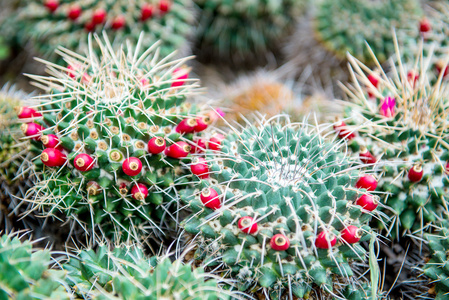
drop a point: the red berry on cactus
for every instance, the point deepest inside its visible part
(201, 123)
(325, 240)
(441, 67)
(139, 192)
(424, 25)
(367, 182)
(156, 145)
(74, 12)
(51, 5)
(415, 173)
(343, 131)
(215, 141)
(178, 150)
(368, 202)
(412, 77)
(51, 141)
(93, 188)
(279, 242)
(374, 79)
(200, 168)
(351, 234)
(164, 6)
(186, 126)
(132, 166)
(84, 162)
(366, 156)
(146, 12)
(179, 76)
(32, 130)
(118, 23)
(199, 146)
(26, 112)
(90, 26)
(247, 225)
(52, 157)
(209, 197)
(99, 16)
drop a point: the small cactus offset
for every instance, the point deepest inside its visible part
(125, 273)
(347, 25)
(67, 23)
(25, 273)
(398, 124)
(243, 31)
(283, 210)
(114, 135)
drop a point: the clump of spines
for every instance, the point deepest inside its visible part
(283, 210)
(115, 135)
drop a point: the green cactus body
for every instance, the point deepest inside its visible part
(67, 23)
(125, 273)
(399, 125)
(25, 274)
(344, 26)
(99, 117)
(284, 197)
(243, 31)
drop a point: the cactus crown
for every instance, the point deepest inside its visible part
(125, 273)
(279, 198)
(402, 128)
(115, 129)
(25, 273)
(53, 23)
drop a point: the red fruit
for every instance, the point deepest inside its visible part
(164, 6)
(53, 157)
(90, 26)
(156, 145)
(51, 5)
(132, 166)
(50, 141)
(199, 167)
(83, 162)
(123, 189)
(343, 131)
(366, 156)
(209, 197)
(32, 130)
(248, 225)
(447, 167)
(215, 141)
(146, 12)
(201, 123)
(186, 126)
(118, 23)
(279, 242)
(325, 240)
(199, 146)
(99, 16)
(412, 77)
(416, 173)
(366, 182)
(424, 25)
(93, 188)
(351, 234)
(374, 79)
(139, 192)
(74, 12)
(367, 202)
(26, 112)
(179, 76)
(440, 65)
(178, 150)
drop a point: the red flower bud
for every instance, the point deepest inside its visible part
(279, 242)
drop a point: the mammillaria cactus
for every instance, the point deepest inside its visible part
(398, 124)
(112, 140)
(243, 31)
(284, 210)
(125, 273)
(54, 23)
(25, 273)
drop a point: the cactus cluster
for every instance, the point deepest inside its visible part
(115, 134)
(398, 124)
(347, 25)
(54, 23)
(242, 31)
(26, 274)
(283, 210)
(126, 273)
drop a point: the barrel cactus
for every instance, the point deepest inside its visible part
(53, 23)
(25, 273)
(398, 124)
(113, 140)
(243, 31)
(125, 273)
(282, 210)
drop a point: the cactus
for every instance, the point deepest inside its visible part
(53, 23)
(25, 273)
(284, 210)
(398, 124)
(343, 26)
(116, 132)
(126, 273)
(243, 31)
